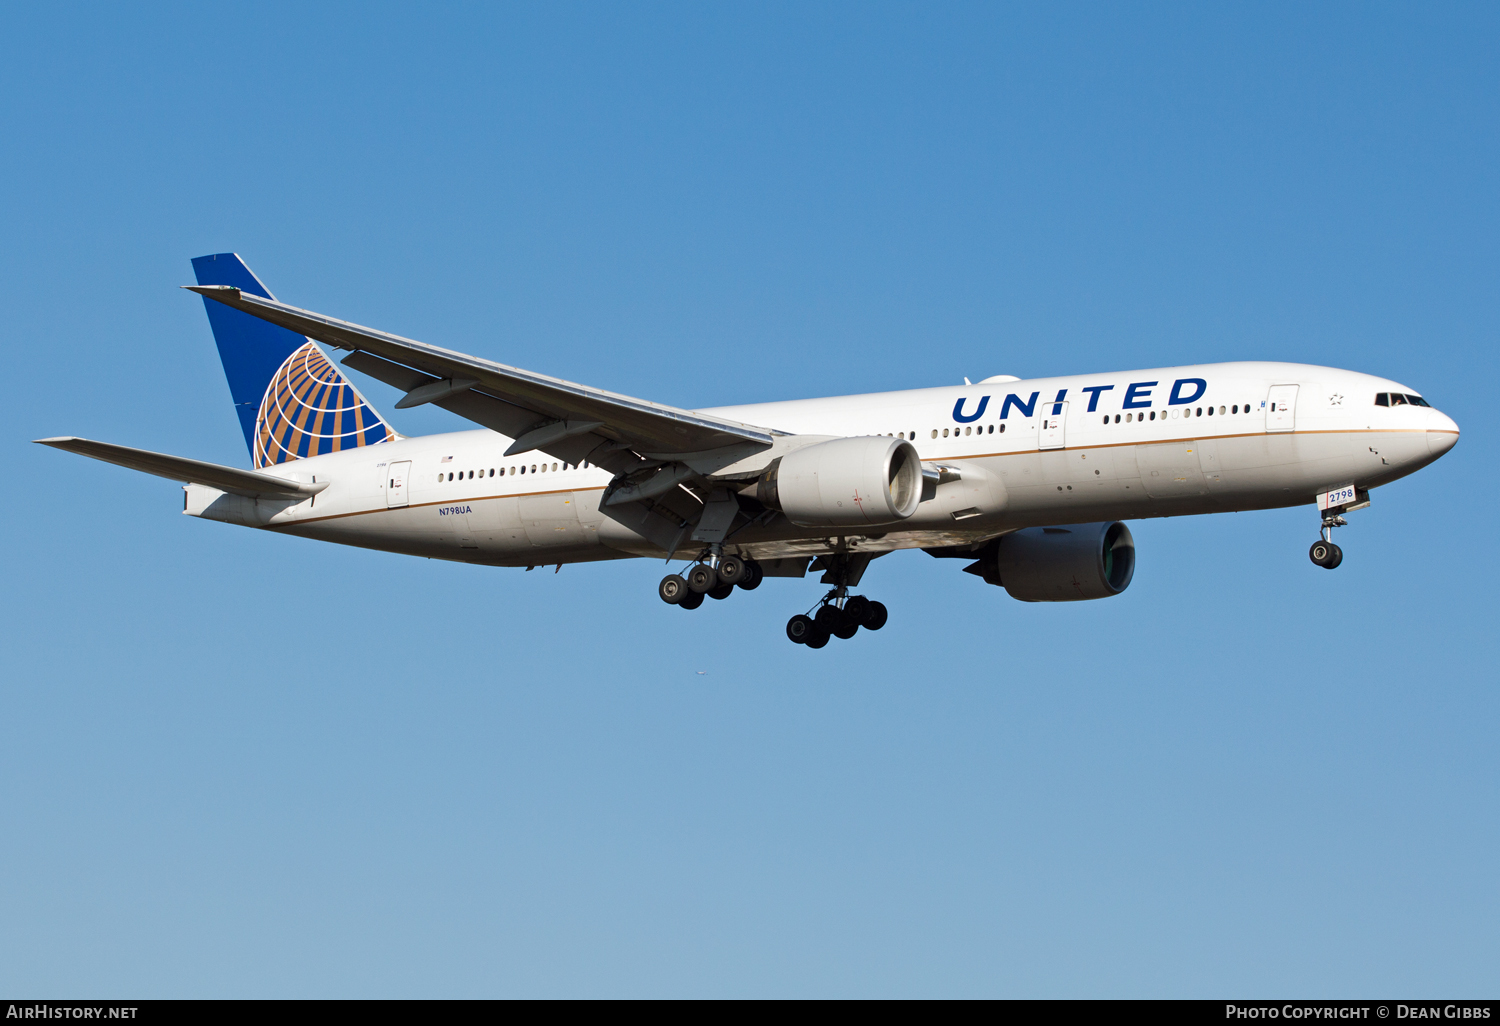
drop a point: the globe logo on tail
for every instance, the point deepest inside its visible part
(310, 409)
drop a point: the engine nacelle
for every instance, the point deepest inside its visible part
(1063, 564)
(846, 482)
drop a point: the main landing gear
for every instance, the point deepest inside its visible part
(837, 617)
(717, 581)
(1324, 552)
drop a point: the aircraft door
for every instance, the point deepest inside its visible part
(1054, 425)
(396, 477)
(1281, 408)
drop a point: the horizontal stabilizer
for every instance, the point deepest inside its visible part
(175, 468)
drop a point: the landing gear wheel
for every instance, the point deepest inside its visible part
(721, 591)
(857, 609)
(753, 575)
(876, 617)
(818, 638)
(830, 618)
(847, 631)
(672, 589)
(692, 600)
(701, 578)
(1326, 554)
(799, 628)
(731, 570)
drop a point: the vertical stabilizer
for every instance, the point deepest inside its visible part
(292, 402)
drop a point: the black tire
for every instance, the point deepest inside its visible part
(731, 570)
(1336, 558)
(799, 628)
(847, 630)
(830, 617)
(721, 591)
(701, 578)
(818, 638)
(856, 609)
(876, 618)
(1321, 552)
(672, 589)
(753, 575)
(692, 600)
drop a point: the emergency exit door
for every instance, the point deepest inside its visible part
(1054, 424)
(396, 475)
(1281, 408)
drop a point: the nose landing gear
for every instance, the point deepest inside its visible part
(1324, 552)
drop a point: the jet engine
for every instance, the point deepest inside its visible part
(846, 482)
(1061, 564)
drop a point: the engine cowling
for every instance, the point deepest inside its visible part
(845, 482)
(1063, 564)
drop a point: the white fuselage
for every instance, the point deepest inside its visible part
(1165, 442)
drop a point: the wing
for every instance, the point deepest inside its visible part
(176, 468)
(573, 422)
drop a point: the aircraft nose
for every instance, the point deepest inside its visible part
(1442, 433)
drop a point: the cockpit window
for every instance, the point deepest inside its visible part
(1400, 399)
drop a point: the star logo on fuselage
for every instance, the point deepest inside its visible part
(1335, 400)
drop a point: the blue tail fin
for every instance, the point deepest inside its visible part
(292, 402)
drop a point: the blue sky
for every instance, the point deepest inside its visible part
(243, 765)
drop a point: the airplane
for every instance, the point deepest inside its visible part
(1028, 480)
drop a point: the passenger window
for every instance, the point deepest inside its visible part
(440, 479)
(1117, 418)
(450, 475)
(554, 466)
(1106, 418)
(1153, 414)
(1002, 429)
(992, 429)
(1200, 412)
(934, 432)
(1210, 411)
(1221, 411)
